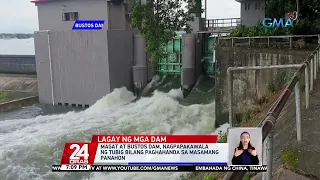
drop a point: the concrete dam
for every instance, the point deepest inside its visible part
(158, 113)
(109, 72)
(40, 131)
(102, 82)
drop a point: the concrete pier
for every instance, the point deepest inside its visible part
(188, 71)
(140, 68)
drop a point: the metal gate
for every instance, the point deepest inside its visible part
(172, 63)
(208, 55)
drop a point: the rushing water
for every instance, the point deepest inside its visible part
(30, 146)
(32, 138)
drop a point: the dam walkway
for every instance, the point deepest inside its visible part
(307, 152)
(291, 128)
(292, 158)
(296, 145)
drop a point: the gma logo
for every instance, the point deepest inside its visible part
(269, 23)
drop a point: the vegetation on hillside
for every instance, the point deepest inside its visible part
(158, 21)
(15, 35)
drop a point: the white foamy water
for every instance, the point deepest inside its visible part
(28, 147)
(17, 46)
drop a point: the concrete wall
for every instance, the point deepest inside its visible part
(18, 64)
(50, 14)
(86, 65)
(251, 87)
(250, 16)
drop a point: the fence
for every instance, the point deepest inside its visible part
(290, 41)
(310, 68)
(228, 23)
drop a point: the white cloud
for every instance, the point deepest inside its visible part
(21, 15)
(18, 16)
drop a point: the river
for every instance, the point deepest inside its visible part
(17, 46)
(32, 138)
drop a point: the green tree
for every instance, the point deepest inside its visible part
(158, 20)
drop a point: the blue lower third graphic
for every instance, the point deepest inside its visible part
(88, 25)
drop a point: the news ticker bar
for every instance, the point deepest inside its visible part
(152, 168)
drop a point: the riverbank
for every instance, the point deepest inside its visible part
(19, 83)
(16, 35)
(10, 100)
(17, 90)
(18, 103)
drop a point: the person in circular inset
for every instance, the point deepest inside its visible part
(245, 153)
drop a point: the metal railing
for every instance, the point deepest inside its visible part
(310, 69)
(267, 41)
(212, 24)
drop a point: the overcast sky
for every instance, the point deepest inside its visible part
(20, 16)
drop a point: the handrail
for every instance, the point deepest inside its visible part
(251, 40)
(224, 19)
(269, 121)
(275, 37)
(222, 23)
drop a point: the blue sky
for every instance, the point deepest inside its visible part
(20, 16)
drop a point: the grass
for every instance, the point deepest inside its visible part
(272, 88)
(213, 175)
(249, 176)
(290, 158)
(4, 96)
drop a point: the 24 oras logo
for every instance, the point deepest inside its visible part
(80, 154)
(77, 153)
(291, 17)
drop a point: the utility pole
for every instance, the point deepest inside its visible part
(205, 9)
